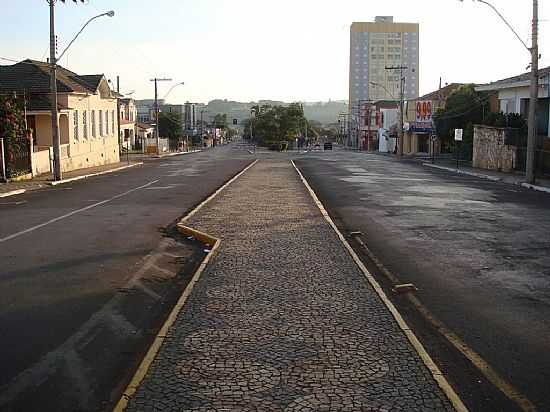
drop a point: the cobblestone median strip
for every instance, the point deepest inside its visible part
(283, 318)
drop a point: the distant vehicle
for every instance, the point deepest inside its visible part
(328, 146)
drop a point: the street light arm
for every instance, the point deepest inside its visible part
(505, 22)
(172, 88)
(383, 87)
(109, 13)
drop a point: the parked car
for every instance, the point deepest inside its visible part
(328, 146)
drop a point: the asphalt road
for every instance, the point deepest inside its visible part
(478, 251)
(88, 271)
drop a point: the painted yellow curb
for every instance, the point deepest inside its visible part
(428, 361)
(161, 335)
(197, 234)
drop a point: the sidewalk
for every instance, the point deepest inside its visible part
(542, 184)
(45, 180)
(143, 156)
(283, 319)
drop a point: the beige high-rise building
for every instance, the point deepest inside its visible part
(375, 46)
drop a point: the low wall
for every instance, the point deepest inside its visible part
(489, 150)
(41, 162)
(101, 155)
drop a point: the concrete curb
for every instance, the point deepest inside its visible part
(74, 179)
(535, 187)
(197, 234)
(161, 335)
(175, 154)
(13, 193)
(463, 172)
(489, 177)
(417, 345)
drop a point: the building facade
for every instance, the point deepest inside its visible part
(146, 110)
(87, 110)
(513, 97)
(128, 121)
(374, 48)
(419, 127)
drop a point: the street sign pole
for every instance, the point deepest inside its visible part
(458, 139)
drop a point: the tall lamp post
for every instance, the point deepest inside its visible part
(533, 91)
(56, 140)
(157, 136)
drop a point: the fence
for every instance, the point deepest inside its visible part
(542, 161)
(16, 159)
(151, 145)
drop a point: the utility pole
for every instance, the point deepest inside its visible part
(120, 140)
(156, 80)
(401, 106)
(202, 125)
(57, 175)
(534, 91)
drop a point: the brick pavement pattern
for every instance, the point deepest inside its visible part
(283, 319)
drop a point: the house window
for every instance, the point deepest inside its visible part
(101, 122)
(106, 123)
(93, 123)
(112, 122)
(85, 124)
(75, 119)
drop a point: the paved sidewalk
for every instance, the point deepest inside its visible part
(283, 319)
(45, 180)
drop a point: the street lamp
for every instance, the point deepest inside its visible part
(172, 88)
(57, 174)
(110, 13)
(532, 116)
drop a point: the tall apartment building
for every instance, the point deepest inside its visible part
(374, 46)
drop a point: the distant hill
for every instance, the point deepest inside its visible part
(323, 112)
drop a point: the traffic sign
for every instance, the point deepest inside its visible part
(458, 135)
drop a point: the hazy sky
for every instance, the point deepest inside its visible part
(256, 49)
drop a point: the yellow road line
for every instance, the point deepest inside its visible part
(486, 370)
(161, 335)
(430, 364)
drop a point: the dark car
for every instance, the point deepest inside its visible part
(328, 146)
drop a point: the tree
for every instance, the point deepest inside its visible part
(170, 125)
(276, 124)
(220, 120)
(464, 108)
(13, 130)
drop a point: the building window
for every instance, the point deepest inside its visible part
(112, 122)
(106, 123)
(75, 119)
(101, 122)
(85, 124)
(93, 123)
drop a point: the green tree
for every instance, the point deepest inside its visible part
(464, 108)
(12, 129)
(220, 120)
(170, 125)
(276, 124)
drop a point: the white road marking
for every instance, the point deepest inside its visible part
(13, 203)
(74, 212)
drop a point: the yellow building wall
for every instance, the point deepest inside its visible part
(92, 151)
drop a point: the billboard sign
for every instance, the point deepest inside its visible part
(424, 111)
